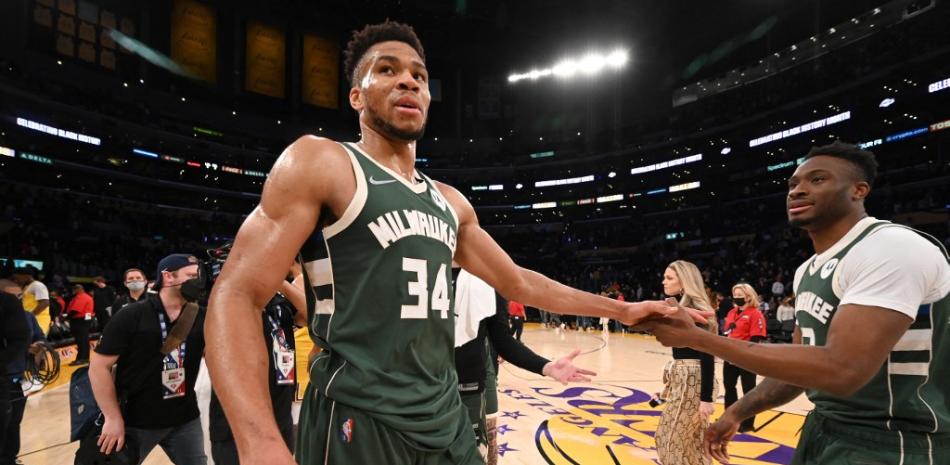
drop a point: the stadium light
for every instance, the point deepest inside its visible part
(591, 64)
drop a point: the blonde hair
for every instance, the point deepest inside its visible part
(752, 297)
(694, 291)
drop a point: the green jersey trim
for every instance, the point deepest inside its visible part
(356, 203)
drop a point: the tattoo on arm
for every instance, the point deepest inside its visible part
(769, 394)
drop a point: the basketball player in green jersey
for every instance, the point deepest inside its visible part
(384, 389)
(873, 335)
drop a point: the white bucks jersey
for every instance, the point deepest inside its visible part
(910, 391)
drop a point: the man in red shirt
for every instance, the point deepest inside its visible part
(80, 312)
(516, 311)
(745, 323)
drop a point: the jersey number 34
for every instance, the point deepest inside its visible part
(419, 288)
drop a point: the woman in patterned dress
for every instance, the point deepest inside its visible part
(689, 378)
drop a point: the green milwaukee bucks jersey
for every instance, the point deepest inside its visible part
(910, 391)
(380, 293)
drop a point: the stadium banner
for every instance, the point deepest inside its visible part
(194, 39)
(265, 60)
(321, 72)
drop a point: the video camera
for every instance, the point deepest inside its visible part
(198, 289)
(216, 259)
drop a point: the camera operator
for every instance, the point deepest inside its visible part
(152, 400)
(281, 315)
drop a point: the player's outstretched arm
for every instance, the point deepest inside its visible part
(297, 187)
(478, 253)
(859, 340)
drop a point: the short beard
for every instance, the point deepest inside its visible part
(800, 223)
(389, 130)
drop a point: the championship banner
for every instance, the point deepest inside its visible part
(321, 72)
(265, 60)
(194, 39)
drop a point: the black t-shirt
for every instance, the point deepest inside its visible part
(125, 300)
(102, 298)
(134, 334)
(14, 333)
(282, 396)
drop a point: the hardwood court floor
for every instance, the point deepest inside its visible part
(540, 421)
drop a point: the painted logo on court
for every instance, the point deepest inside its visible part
(616, 425)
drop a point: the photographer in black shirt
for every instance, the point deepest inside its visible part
(152, 400)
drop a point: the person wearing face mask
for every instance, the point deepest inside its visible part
(689, 378)
(746, 323)
(152, 402)
(135, 282)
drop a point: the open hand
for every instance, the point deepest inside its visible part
(112, 437)
(650, 311)
(717, 437)
(564, 370)
(678, 329)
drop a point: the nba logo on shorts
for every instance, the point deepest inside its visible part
(346, 431)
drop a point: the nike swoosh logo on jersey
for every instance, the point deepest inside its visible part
(380, 183)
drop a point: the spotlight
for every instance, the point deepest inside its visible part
(617, 58)
(725, 150)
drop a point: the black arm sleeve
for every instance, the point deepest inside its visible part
(15, 333)
(510, 349)
(707, 367)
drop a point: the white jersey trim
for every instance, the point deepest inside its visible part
(332, 311)
(448, 205)
(356, 204)
(930, 360)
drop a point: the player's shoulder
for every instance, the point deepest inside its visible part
(313, 149)
(447, 189)
(894, 241)
(308, 159)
